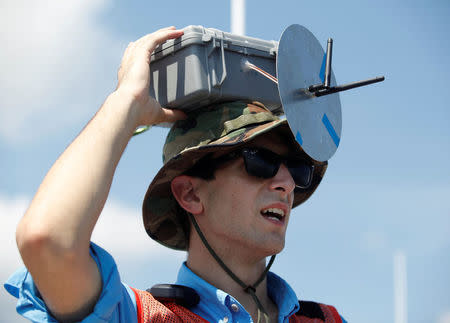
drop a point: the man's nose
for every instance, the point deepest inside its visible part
(283, 180)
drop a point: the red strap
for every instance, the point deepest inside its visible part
(138, 305)
(185, 314)
(150, 309)
(336, 316)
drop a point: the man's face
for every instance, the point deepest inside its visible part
(243, 211)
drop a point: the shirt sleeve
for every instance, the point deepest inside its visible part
(117, 302)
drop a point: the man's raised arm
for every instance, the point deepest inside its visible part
(54, 235)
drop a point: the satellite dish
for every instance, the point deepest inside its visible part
(316, 122)
(308, 91)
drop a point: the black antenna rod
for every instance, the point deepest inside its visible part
(325, 88)
(328, 63)
(348, 86)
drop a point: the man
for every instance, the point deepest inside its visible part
(231, 175)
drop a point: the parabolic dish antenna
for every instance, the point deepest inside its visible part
(308, 91)
(316, 122)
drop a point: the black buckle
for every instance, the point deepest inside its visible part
(182, 295)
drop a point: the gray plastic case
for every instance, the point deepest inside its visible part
(205, 65)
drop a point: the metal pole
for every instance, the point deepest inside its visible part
(400, 288)
(238, 17)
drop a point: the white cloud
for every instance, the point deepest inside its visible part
(10, 213)
(119, 230)
(51, 61)
(444, 317)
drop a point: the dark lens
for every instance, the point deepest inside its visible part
(258, 163)
(301, 172)
(265, 164)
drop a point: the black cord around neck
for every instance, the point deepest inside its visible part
(250, 289)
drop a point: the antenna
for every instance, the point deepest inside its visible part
(328, 63)
(309, 100)
(325, 88)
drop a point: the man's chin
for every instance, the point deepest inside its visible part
(272, 247)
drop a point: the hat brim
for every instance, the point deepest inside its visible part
(166, 222)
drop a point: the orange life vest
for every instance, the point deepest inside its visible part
(150, 309)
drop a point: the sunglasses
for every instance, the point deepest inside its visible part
(263, 163)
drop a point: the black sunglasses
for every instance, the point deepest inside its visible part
(263, 163)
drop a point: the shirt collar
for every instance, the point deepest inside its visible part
(282, 294)
(277, 288)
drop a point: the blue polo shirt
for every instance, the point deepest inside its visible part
(117, 301)
(217, 306)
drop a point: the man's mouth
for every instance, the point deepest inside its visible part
(275, 214)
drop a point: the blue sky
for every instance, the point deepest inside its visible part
(387, 187)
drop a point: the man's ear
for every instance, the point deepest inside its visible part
(184, 190)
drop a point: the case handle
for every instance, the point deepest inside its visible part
(215, 82)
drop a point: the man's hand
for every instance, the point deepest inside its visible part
(134, 78)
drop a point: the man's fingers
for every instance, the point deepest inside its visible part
(167, 28)
(150, 41)
(128, 50)
(158, 114)
(159, 31)
(170, 115)
(146, 44)
(166, 33)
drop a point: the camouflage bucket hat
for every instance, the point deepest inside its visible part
(223, 127)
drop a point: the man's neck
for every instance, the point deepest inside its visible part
(247, 269)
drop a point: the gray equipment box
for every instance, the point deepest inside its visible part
(207, 65)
